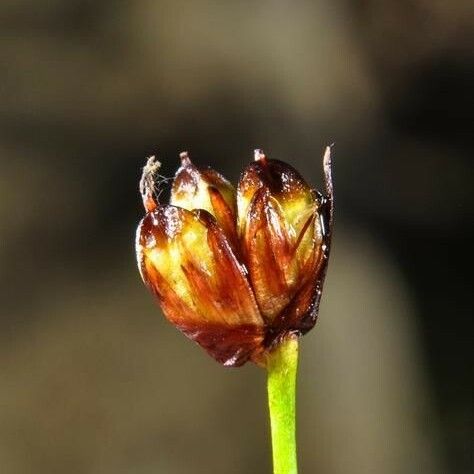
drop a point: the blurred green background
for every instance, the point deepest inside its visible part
(92, 378)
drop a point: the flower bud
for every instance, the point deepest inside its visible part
(187, 262)
(236, 284)
(279, 231)
(206, 189)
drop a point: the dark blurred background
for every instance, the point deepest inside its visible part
(92, 378)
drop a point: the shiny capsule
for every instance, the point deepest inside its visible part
(236, 270)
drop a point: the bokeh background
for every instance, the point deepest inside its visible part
(92, 378)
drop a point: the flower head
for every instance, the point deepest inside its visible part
(236, 271)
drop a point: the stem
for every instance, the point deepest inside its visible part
(282, 366)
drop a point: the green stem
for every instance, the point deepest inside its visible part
(282, 366)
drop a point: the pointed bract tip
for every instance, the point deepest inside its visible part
(152, 165)
(184, 157)
(147, 183)
(327, 157)
(327, 167)
(259, 155)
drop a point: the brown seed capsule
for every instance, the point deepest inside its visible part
(237, 272)
(205, 189)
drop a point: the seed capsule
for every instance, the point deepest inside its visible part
(236, 271)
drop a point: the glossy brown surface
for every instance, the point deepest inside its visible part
(236, 284)
(231, 346)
